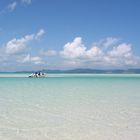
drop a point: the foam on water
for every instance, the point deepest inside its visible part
(70, 107)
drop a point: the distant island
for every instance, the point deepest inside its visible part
(96, 71)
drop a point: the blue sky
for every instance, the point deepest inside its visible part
(66, 34)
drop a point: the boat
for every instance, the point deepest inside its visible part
(37, 75)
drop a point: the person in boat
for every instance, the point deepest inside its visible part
(36, 74)
(39, 74)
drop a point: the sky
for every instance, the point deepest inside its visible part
(68, 34)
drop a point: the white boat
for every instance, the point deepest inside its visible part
(37, 75)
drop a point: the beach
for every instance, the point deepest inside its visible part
(70, 107)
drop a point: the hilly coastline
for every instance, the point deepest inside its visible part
(96, 71)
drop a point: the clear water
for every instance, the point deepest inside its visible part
(70, 107)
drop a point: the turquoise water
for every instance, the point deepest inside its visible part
(70, 107)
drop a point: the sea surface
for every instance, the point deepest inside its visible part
(70, 107)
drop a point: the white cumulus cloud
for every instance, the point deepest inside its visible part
(124, 50)
(110, 41)
(94, 52)
(18, 45)
(75, 52)
(33, 59)
(40, 34)
(75, 49)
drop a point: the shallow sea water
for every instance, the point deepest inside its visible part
(70, 107)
